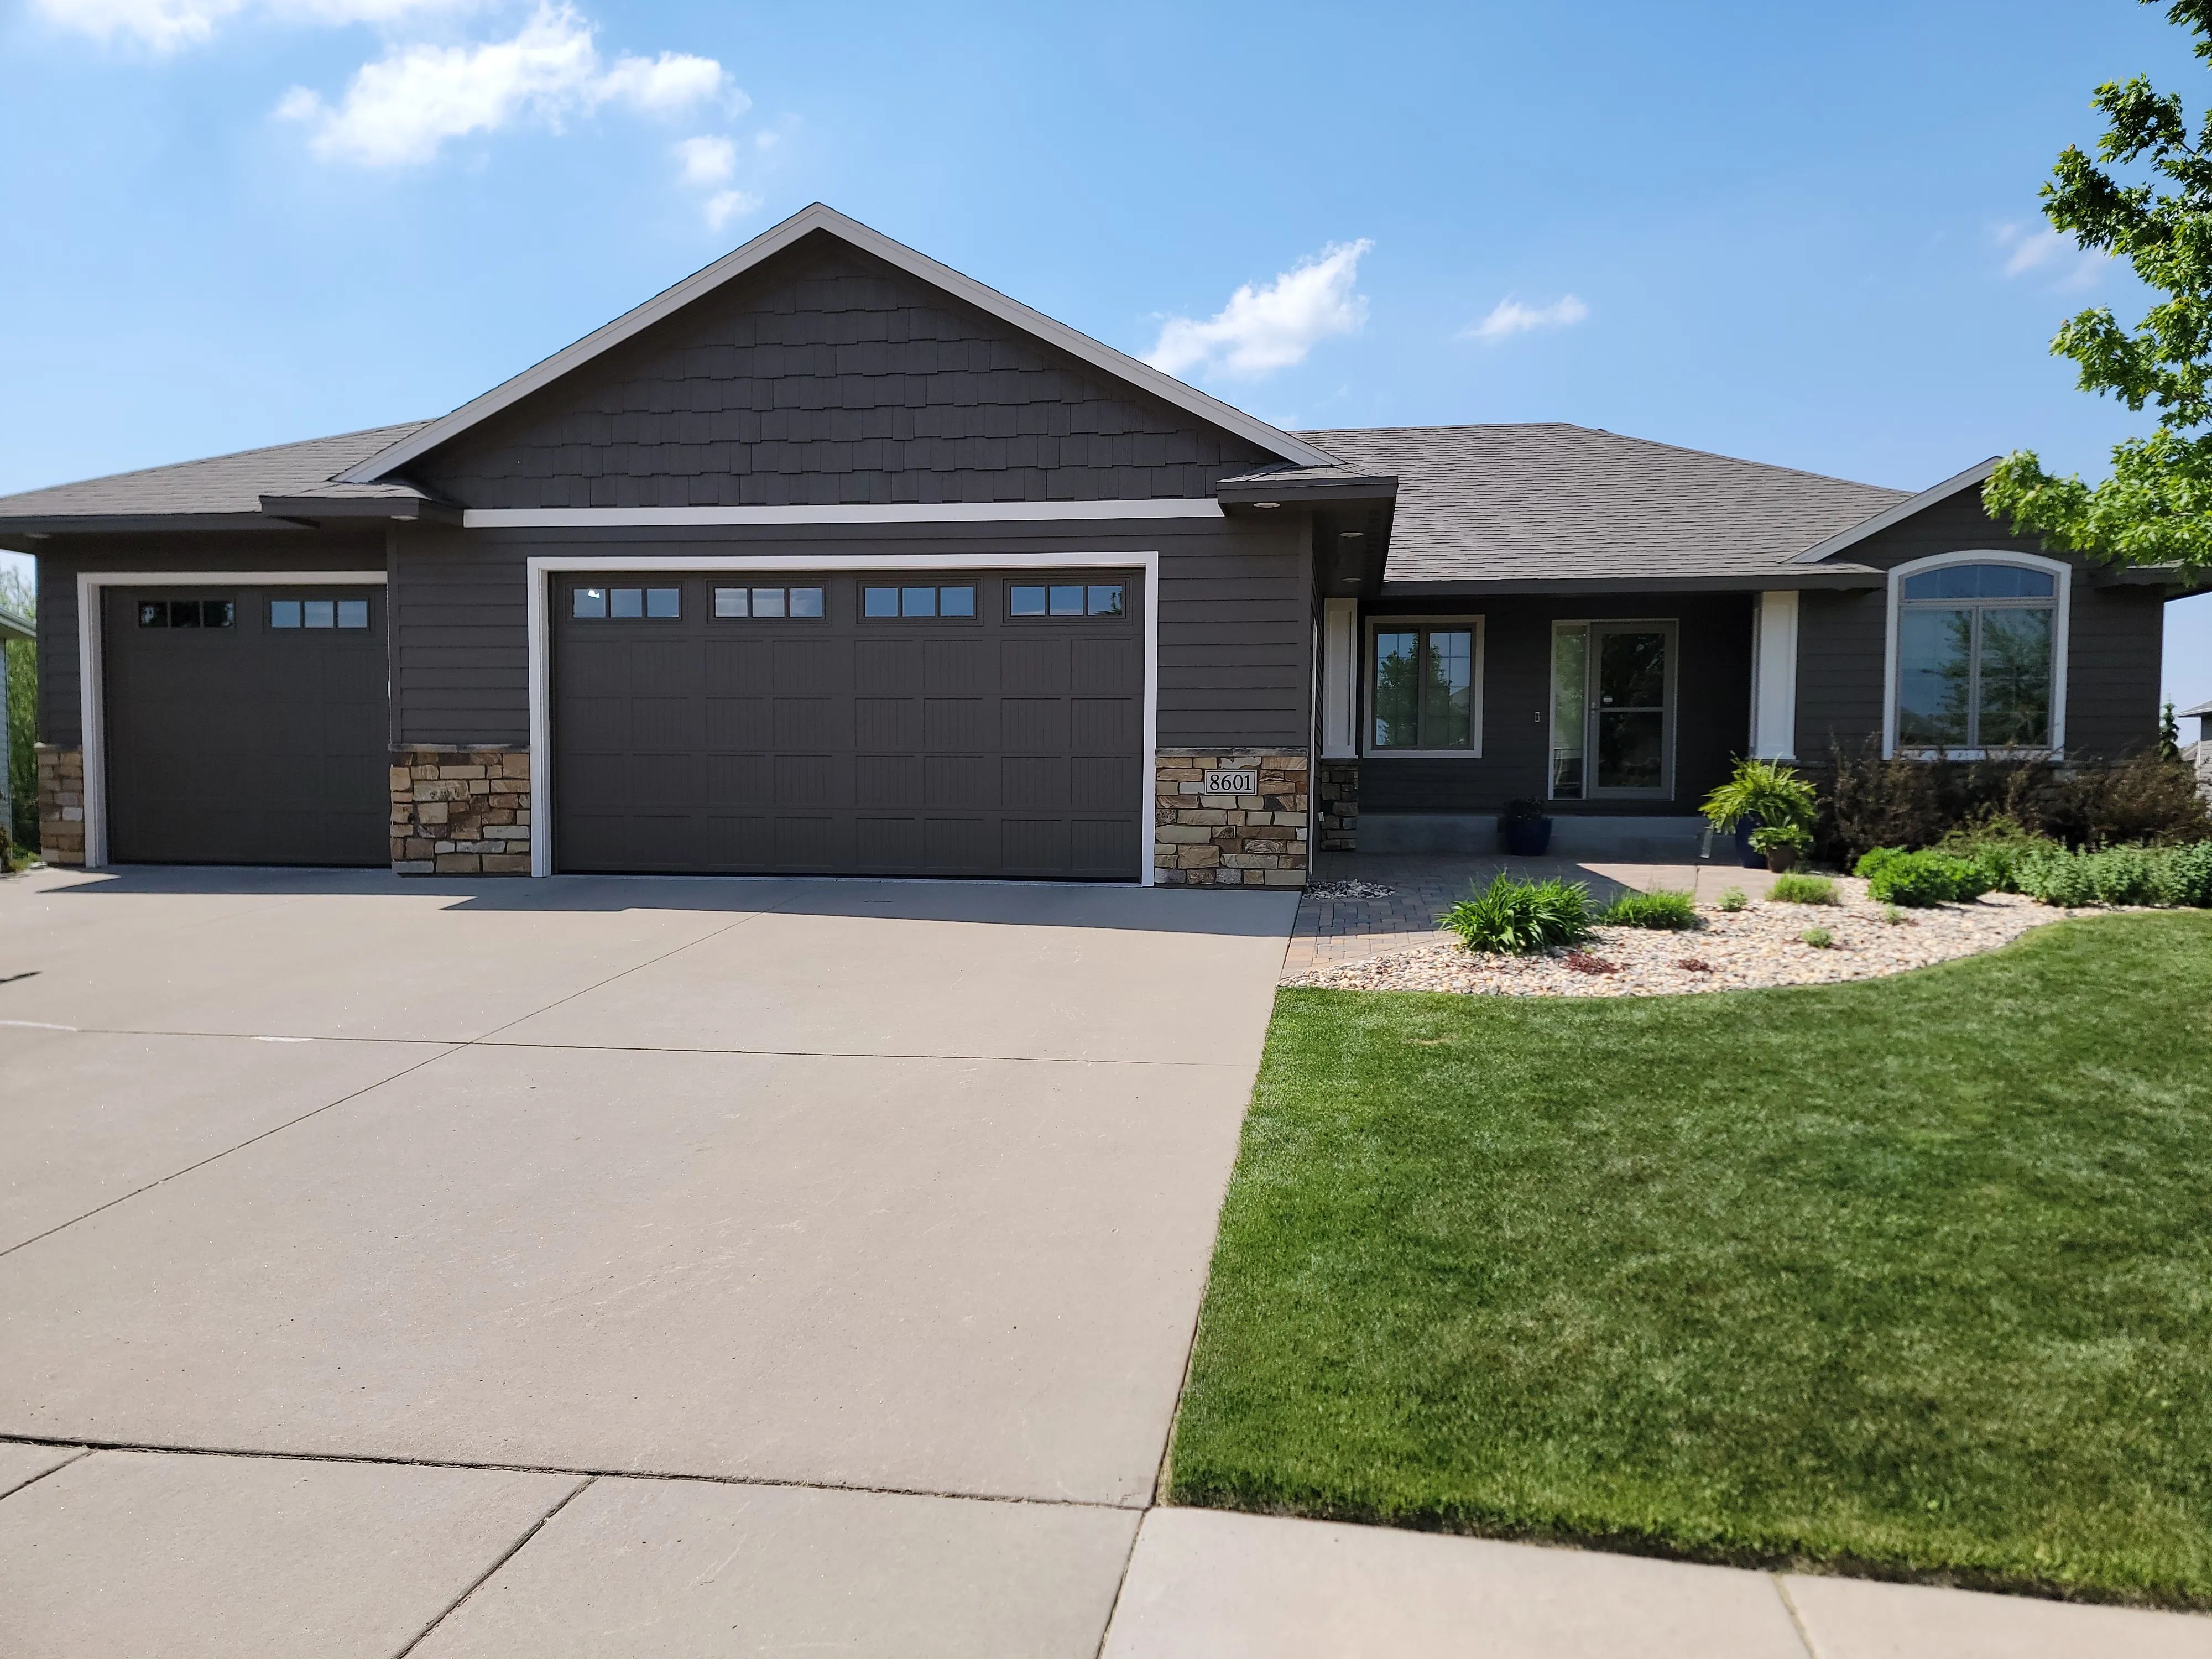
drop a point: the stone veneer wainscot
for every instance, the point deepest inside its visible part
(61, 804)
(1258, 840)
(1340, 805)
(460, 809)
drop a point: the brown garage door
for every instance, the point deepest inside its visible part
(246, 726)
(953, 724)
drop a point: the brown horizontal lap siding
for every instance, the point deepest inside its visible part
(2115, 640)
(826, 377)
(63, 558)
(1234, 623)
(1712, 714)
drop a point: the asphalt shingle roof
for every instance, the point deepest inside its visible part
(1536, 503)
(223, 483)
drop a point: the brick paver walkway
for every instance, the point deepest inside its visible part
(1330, 930)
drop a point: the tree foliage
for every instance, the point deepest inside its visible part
(2147, 198)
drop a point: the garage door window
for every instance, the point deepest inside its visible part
(760, 602)
(628, 604)
(1097, 599)
(185, 613)
(313, 613)
(956, 601)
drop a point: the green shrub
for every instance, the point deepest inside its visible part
(1520, 916)
(1771, 794)
(1732, 899)
(1803, 890)
(1819, 938)
(1892, 915)
(1994, 845)
(1660, 909)
(1918, 880)
(2119, 875)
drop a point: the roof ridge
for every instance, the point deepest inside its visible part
(1621, 437)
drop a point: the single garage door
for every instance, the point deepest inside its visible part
(952, 724)
(246, 726)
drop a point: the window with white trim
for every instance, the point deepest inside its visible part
(1425, 686)
(1977, 649)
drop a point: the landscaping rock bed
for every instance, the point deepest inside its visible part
(1758, 945)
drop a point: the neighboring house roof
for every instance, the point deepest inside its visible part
(223, 487)
(14, 625)
(808, 221)
(2202, 711)
(1513, 504)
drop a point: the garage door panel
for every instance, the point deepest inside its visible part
(239, 742)
(887, 780)
(973, 744)
(1034, 847)
(1033, 667)
(958, 780)
(1030, 782)
(1103, 725)
(740, 780)
(738, 723)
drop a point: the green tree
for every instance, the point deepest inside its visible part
(19, 661)
(2147, 198)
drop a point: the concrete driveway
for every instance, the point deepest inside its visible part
(653, 1266)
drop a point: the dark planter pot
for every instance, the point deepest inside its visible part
(1526, 838)
(1782, 860)
(1744, 854)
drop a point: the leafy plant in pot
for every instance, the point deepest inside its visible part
(1763, 795)
(1527, 830)
(1782, 845)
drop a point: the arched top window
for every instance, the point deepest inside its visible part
(1977, 654)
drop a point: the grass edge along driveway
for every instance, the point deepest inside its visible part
(1910, 1276)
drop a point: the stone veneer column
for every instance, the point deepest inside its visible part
(460, 809)
(1257, 840)
(1337, 799)
(61, 804)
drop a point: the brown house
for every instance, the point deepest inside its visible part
(831, 560)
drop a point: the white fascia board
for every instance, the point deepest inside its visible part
(676, 518)
(773, 241)
(1889, 515)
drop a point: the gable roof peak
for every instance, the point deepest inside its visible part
(820, 217)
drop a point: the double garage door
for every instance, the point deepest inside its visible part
(956, 723)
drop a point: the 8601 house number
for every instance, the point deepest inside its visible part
(1232, 783)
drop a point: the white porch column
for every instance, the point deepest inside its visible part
(1340, 679)
(1774, 677)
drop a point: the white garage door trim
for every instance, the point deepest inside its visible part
(543, 568)
(92, 700)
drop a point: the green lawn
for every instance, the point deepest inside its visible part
(1912, 1276)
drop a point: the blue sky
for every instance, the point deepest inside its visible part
(1802, 234)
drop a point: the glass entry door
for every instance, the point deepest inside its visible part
(1612, 709)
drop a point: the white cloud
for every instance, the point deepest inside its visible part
(724, 206)
(166, 25)
(398, 110)
(2058, 256)
(1264, 329)
(1510, 317)
(707, 161)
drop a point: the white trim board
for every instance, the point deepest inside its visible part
(537, 583)
(2062, 627)
(678, 518)
(773, 241)
(92, 700)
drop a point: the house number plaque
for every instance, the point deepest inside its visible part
(1232, 783)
